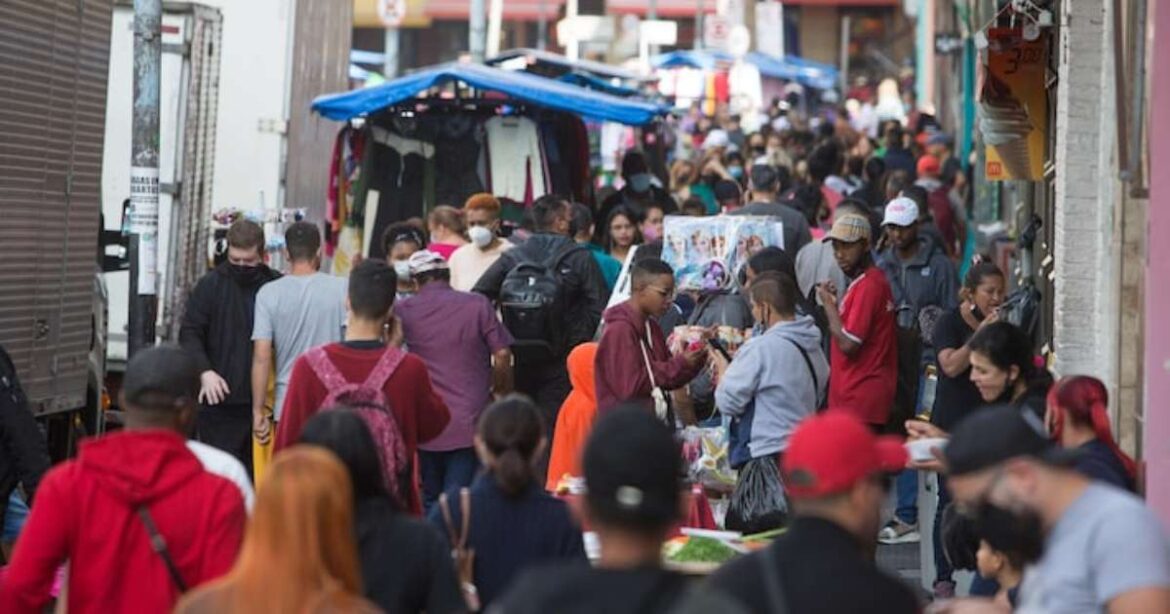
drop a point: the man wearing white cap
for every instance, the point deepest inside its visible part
(924, 285)
(466, 350)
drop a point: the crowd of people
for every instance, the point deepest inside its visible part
(437, 431)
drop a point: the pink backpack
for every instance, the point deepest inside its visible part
(368, 400)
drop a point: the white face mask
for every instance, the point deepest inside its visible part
(481, 236)
(402, 269)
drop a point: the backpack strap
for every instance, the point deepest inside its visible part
(386, 366)
(324, 368)
(811, 370)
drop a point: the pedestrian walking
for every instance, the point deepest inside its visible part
(126, 493)
(633, 362)
(405, 565)
(551, 294)
(506, 518)
(632, 500)
(217, 329)
(24, 457)
(299, 554)
(467, 353)
(400, 242)
(863, 352)
(301, 310)
(838, 474)
(379, 377)
(575, 419)
(481, 213)
(764, 200)
(447, 229)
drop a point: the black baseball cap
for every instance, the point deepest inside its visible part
(162, 377)
(1000, 433)
(632, 466)
(764, 177)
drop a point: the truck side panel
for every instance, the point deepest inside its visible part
(52, 115)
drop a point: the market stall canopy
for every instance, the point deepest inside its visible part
(536, 56)
(807, 73)
(590, 82)
(523, 87)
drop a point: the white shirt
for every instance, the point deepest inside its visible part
(226, 466)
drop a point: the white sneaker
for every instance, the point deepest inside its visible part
(898, 532)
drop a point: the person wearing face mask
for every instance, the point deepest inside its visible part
(468, 263)
(651, 224)
(1093, 547)
(837, 474)
(400, 242)
(776, 380)
(639, 189)
(217, 328)
(735, 167)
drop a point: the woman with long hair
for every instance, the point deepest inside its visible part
(682, 175)
(512, 522)
(299, 553)
(1004, 370)
(405, 565)
(621, 232)
(1078, 418)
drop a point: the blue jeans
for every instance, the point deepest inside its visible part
(14, 517)
(444, 471)
(906, 487)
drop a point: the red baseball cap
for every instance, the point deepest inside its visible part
(929, 165)
(830, 452)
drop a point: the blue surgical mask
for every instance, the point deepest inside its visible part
(640, 183)
(736, 172)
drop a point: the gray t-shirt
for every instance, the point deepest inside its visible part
(297, 313)
(1107, 543)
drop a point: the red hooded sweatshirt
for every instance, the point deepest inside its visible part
(85, 514)
(620, 367)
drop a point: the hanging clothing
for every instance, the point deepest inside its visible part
(515, 158)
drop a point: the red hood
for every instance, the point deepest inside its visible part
(625, 312)
(139, 466)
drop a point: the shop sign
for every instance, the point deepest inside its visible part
(716, 32)
(1013, 105)
(392, 12)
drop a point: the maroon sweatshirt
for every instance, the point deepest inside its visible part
(620, 370)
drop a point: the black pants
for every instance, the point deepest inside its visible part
(229, 428)
(548, 386)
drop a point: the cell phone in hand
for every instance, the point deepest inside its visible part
(714, 342)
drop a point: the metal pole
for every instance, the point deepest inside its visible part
(478, 30)
(572, 45)
(495, 17)
(652, 10)
(144, 175)
(390, 53)
(542, 29)
(846, 27)
(698, 43)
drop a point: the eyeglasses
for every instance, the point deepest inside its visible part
(666, 294)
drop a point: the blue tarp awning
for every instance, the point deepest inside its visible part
(806, 72)
(521, 86)
(590, 82)
(586, 66)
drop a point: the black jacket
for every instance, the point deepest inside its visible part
(584, 287)
(24, 454)
(406, 564)
(217, 328)
(815, 560)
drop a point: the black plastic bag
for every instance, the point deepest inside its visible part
(758, 502)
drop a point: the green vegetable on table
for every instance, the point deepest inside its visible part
(704, 550)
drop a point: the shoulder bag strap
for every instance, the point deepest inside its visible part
(811, 370)
(646, 355)
(159, 545)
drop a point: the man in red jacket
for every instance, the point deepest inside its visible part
(633, 343)
(420, 413)
(97, 512)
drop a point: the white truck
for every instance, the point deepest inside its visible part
(235, 130)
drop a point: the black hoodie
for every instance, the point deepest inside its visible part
(217, 327)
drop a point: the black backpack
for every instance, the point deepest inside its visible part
(532, 297)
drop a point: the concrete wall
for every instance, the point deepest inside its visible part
(1085, 310)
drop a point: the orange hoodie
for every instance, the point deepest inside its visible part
(575, 420)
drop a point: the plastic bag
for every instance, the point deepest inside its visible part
(705, 453)
(758, 502)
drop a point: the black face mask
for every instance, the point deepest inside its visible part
(759, 150)
(244, 275)
(1008, 531)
